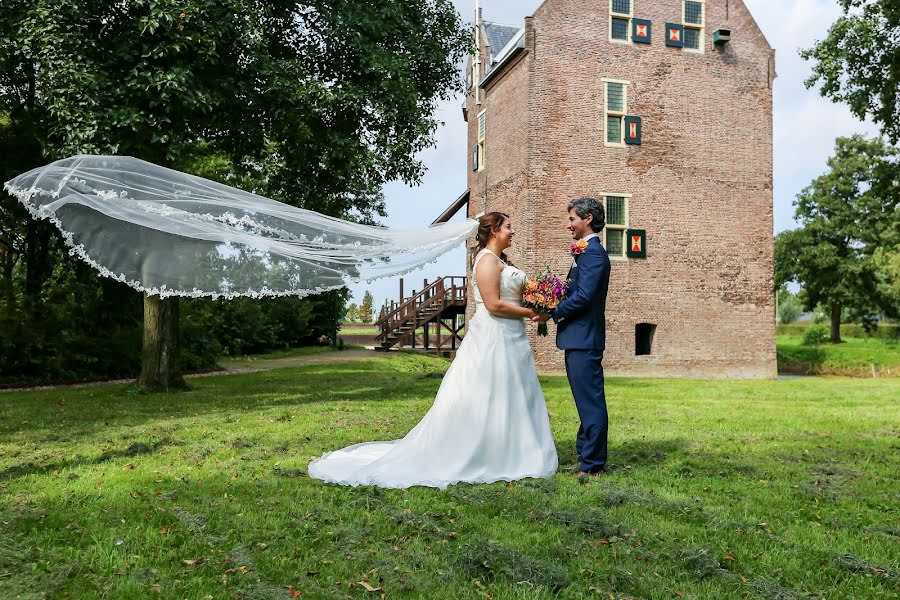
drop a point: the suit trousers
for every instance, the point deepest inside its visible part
(585, 372)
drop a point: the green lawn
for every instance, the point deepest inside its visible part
(358, 330)
(854, 356)
(774, 489)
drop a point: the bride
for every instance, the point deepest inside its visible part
(489, 421)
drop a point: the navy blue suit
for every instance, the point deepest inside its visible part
(581, 333)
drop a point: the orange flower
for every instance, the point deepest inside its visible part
(578, 247)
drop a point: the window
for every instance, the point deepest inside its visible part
(620, 20)
(616, 224)
(616, 103)
(482, 130)
(643, 338)
(694, 17)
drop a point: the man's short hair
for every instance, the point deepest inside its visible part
(590, 206)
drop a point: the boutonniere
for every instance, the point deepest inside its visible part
(579, 247)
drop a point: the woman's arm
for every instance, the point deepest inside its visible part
(487, 272)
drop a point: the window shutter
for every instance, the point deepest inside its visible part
(633, 130)
(637, 243)
(675, 35)
(640, 31)
(475, 158)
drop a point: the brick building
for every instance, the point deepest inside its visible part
(662, 109)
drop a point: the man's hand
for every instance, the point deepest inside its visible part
(541, 317)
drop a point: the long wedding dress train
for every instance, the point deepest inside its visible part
(488, 423)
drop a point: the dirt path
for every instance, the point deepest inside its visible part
(249, 364)
(232, 366)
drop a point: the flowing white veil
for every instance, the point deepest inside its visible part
(168, 233)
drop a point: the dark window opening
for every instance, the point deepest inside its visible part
(643, 338)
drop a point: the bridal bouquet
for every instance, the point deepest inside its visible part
(543, 294)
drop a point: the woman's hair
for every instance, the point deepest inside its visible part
(589, 206)
(487, 224)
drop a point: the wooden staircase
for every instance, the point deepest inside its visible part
(438, 306)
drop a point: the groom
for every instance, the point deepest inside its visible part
(581, 331)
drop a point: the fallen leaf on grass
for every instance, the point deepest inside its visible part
(193, 562)
(293, 592)
(312, 573)
(240, 570)
(369, 587)
(128, 467)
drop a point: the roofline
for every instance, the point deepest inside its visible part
(483, 21)
(757, 26)
(514, 47)
(451, 210)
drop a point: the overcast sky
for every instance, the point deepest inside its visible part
(806, 126)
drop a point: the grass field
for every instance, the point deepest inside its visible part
(358, 330)
(855, 356)
(775, 489)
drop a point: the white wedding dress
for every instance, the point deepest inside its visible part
(488, 423)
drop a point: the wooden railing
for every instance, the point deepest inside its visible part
(397, 323)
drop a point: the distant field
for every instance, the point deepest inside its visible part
(358, 330)
(857, 355)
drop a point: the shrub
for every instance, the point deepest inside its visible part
(815, 336)
(789, 307)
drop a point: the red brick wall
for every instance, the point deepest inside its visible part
(700, 184)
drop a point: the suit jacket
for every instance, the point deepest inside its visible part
(581, 317)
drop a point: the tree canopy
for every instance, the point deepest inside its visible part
(859, 62)
(328, 99)
(846, 215)
(316, 103)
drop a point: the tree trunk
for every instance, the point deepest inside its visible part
(9, 290)
(37, 261)
(160, 368)
(836, 323)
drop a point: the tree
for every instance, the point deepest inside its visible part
(789, 306)
(859, 62)
(352, 313)
(845, 215)
(366, 309)
(322, 101)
